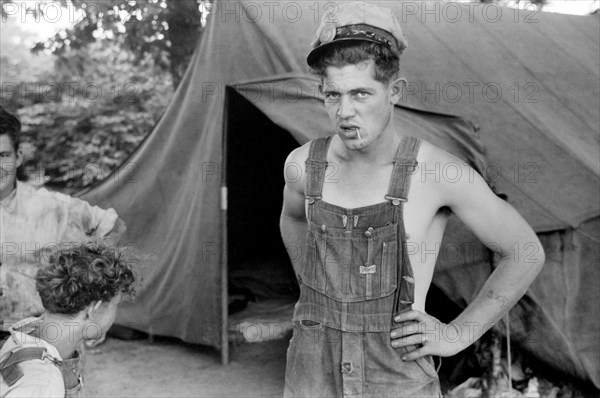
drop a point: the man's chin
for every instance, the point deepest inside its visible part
(6, 188)
(353, 144)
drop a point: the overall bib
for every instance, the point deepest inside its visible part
(355, 277)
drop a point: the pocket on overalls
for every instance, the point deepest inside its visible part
(426, 363)
(307, 324)
(352, 265)
(74, 392)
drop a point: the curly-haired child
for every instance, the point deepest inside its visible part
(80, 287)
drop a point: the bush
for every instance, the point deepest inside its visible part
(89, 115)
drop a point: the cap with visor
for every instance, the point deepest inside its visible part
(357, 21)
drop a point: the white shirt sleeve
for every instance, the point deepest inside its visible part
(36, 390)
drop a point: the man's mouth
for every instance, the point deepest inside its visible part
(350, 131)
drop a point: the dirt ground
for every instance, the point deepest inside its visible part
(171, 368)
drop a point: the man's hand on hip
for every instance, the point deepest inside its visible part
(426, 332)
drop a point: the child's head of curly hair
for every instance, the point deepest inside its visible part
(82, 274)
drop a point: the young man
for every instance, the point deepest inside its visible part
(361, 329)
(34, 222)
(80, 289)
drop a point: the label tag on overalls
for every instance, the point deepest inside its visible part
(367, 270)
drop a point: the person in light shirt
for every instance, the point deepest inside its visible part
(34, 222)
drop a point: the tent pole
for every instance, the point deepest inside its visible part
(224, 295)
(224, 249)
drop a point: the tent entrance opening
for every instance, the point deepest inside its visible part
(259, 269)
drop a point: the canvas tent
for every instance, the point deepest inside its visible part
(202, 195)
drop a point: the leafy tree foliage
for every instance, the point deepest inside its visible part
(167, 30)
(84, 105)
(16, 60)
(87, 116)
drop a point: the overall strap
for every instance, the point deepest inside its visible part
(316, 165)
(11, 371)
(405, 164)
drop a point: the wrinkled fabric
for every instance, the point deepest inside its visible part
(41, 378)
(33, 222)
(325, 362)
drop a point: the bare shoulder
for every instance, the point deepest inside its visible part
(299, 155)
(294, 170)
(295, 181)
(434, 155)
(451, 177)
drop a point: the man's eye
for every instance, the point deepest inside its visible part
(361, 94)
(332, 96)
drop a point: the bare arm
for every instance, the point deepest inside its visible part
(293, 215)
(500, 227)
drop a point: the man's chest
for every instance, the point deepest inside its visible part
(31, 223)
(29, 230)
(353, 189)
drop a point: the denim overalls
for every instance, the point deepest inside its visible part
(355, 276)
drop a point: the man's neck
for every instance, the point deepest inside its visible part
(70, 334)
(8, 193)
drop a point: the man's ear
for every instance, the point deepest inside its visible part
(20, 157)
(92, 308)
(397, 88)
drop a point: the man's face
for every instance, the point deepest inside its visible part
(9, 161)
(355, 100)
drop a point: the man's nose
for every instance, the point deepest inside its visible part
(346, 108)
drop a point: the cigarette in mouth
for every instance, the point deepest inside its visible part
(357, 132)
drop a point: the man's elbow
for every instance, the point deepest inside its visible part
(542, 255)
(529, 256)
(534, 258)
(540, 258)
(537, 255)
